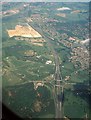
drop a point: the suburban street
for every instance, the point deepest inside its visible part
(45, 62)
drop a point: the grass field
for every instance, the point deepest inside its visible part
(74, 106)
(20, 68)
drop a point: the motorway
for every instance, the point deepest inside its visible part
(58, 88)
(58, 78)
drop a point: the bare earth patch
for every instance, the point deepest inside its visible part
(24, 31)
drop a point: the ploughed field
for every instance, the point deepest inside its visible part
(28, 61)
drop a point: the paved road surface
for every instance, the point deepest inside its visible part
(58, 77)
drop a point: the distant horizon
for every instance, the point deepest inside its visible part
(45, 1)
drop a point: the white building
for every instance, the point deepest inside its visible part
(48, 62)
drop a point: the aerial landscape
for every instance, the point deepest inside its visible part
(45, 59)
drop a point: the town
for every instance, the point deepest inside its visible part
(46, 59)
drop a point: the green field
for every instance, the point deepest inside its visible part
(19, 69)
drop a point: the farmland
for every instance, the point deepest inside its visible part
(30, 39)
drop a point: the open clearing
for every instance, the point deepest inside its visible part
(24, 31)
